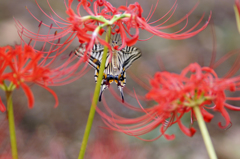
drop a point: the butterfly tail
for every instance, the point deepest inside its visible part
(101, 92)
(100, 97)
(121, 92)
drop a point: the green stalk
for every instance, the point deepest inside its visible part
(11, 125)
(95, 98)
(205, 134)
(237, 17)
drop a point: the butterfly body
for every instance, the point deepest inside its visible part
(115, 67)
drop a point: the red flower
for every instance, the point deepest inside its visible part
(176, 95)
(26, 65)
(122, 19)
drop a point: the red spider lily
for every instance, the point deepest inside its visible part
(175, 95)
(68, 71)
(26, 65)
(122, 19)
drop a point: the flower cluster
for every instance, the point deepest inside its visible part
(178, 94)
(21, 64)
(122, 19)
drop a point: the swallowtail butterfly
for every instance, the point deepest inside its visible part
(115, 68)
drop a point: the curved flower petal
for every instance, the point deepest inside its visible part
(53, 93)
(2, 106)
(188, 131)
(29, 95)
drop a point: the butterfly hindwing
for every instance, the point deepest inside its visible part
(127, 55)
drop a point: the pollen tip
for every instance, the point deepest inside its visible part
(70, 53)
(40, 24)
(30, 42)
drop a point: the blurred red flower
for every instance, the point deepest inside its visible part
(175, 95)
(20, 65)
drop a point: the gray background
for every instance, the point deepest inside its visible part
(47, 132)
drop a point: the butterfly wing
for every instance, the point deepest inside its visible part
(126, 57)
(94, 58)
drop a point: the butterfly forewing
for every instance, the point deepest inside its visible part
(115, 68)
(94, 58)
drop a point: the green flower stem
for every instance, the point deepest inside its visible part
(11, 125)
(205, 134)
(95, 98)
(100, 18)
(2, 87)
(237, 17)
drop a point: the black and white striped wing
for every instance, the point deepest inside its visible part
(127, 55)
(120, 61)
(95, 56)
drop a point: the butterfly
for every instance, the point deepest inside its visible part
(115, 68)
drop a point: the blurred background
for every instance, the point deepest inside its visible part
(56, 133)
